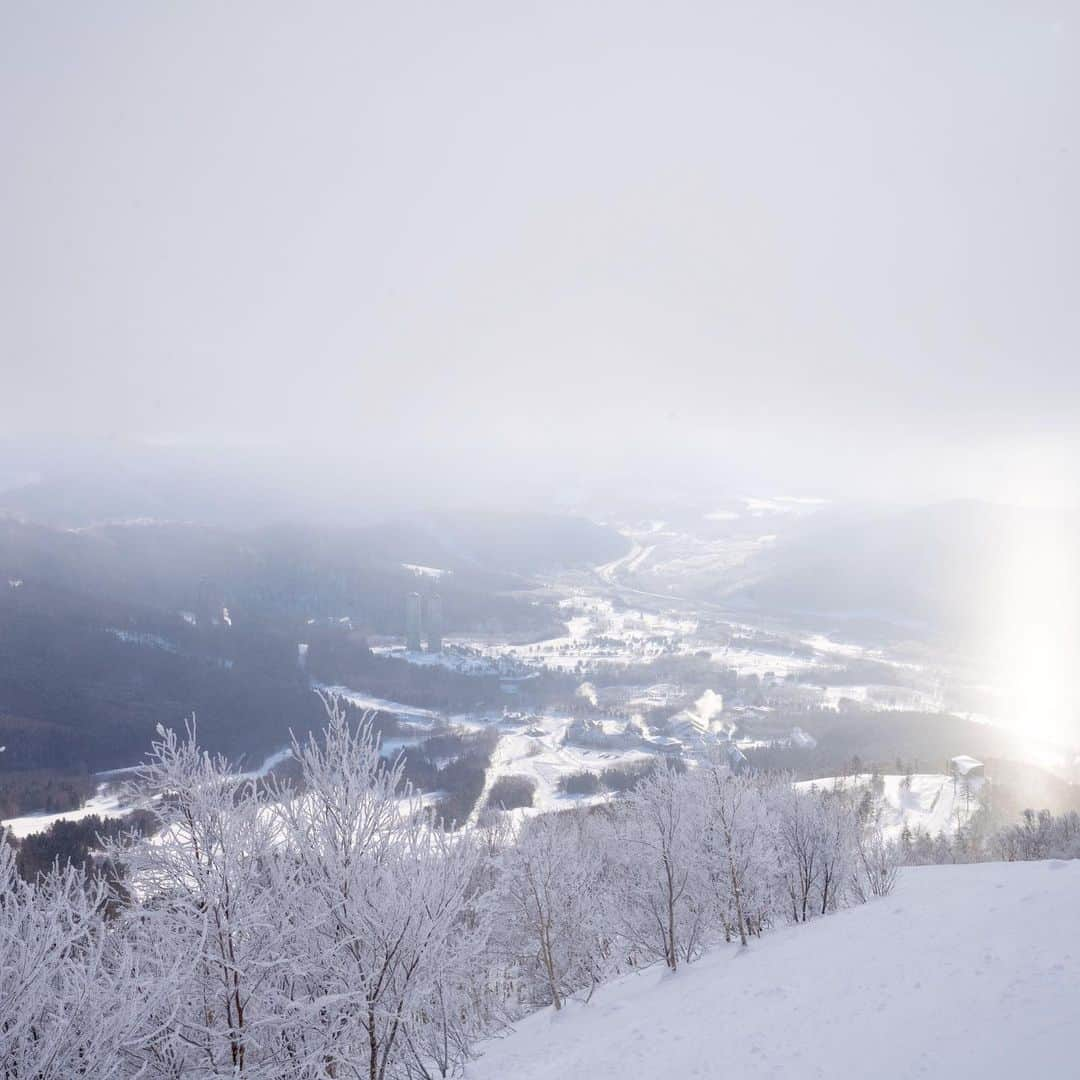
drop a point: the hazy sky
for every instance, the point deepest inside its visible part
(840, 238)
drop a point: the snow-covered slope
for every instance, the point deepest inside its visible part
(932, 802)
(104, 802)
(963, 971)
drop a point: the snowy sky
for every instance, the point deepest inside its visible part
(839, 238)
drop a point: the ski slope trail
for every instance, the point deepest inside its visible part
(963, 971)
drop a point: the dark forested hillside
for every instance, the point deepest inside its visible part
(291, 571)
(85, 692)
(108, 631)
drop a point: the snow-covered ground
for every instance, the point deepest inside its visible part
(105, 801)
(965, 971)
(759, 662)
(823, 644)
(538, 752)
(153, 641)
(596, 632)
(108, 799)
(933, 803)
(433, 572)
(367, 701)
(451, 658)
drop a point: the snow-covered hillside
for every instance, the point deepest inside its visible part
(541, 754)
(105, 802)
(109, 800)
(964, 971)
(930, 802)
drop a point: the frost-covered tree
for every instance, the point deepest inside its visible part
(376, 896)
(321, 932)
(660, 880)
(877, 864)
(76, 999)
(738, 845)
(799, 846)
(205, 882)
(547, 899)
(837, 832)
(1039, 836)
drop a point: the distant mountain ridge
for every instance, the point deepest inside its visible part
(938, 566)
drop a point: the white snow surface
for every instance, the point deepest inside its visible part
(106, 802)
(965, 971)
(433, 572)
(540, 754)
(368, 701)
(934, 802)
(453, 660)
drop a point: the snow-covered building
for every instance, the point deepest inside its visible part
(656, 696)
(586, 732)
(689, 727)
(701, 721)
(605, 734)
(665, 744)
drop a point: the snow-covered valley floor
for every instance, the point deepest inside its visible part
(965, 971)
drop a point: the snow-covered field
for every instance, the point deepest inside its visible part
(106, 802)
(758, 662)
(595, 632)
(965, 971)
(366, 701)
(108, 799)
(538, 752)
(934, 802)
(450, 659)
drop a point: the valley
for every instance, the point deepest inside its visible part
(651, 665)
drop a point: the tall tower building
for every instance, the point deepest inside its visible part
(434, 624)
(412, 622)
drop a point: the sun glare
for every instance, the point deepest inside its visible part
(1036, 631)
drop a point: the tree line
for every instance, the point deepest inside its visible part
(1038, 834)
